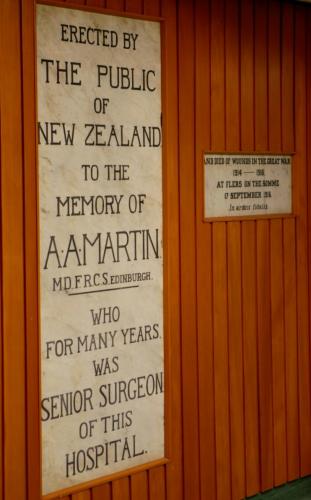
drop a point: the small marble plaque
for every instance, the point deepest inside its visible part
(238, 185)
(101, 277)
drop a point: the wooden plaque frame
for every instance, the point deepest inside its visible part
(170, 251)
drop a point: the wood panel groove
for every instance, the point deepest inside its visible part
(278, 353)
(31, 250)
(139, 486)
(235, 331)
(173, 470)
(250, 349)
(157, 489)
(187, 248)
(12, 227)
(152, 7)
(308, 107)
(134, 6)
(222, 408)
(265, 355)
(248, 255)
(291, 356)
(102, 492)
(235, 360)
(204, 261)
(300, 206)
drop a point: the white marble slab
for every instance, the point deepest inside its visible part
(101, 279)
(238, 185)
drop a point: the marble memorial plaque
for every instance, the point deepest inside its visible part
(101, 277)
(238, 185)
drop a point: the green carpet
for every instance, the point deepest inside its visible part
(297, 490)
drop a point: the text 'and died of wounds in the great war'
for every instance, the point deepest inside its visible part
(239, 185)
(101, 255)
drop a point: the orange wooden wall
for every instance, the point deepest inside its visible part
(245, 302)
(19, 347)
(237, 78)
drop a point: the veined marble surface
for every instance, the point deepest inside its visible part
(101, 256)
(239, 184)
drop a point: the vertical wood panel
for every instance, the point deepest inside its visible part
(152, 7)
(252, 466)
(188, 245)
(250, 344)
(278, 353)
(77, 2)
(12, 254)
(289, 246)
(102, 492)
(217, 75)
(204, 259)
(219, 273)
(277, 311)
(115, 4)
(1, 339)
(133, 6)
(263, 255)
(247, 75)
(206, 364)
(287, 82)
(290, 310)
(1, 301)
(31, 249)
(274, 75)
(173, 424)
(308, 107)
(236, 360)
(264, 355)
(121, 489)
(139, 486)
(232, 82)
(300, 205)
(235, 332)
(95, 3)
(171, 475)
(261, 79)
(157, 483)
(221, 361)
(83, 495)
